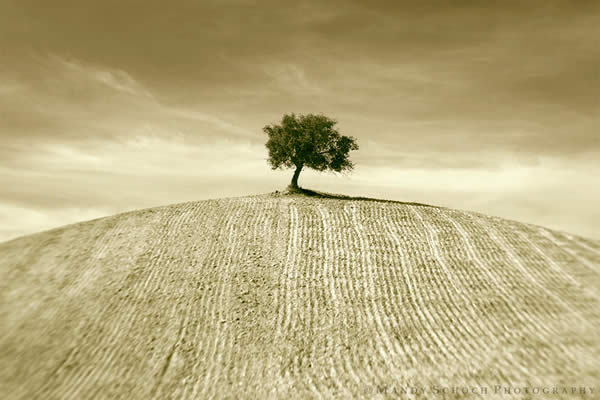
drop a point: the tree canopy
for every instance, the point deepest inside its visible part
(308, 141)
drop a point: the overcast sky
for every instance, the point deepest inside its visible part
(110, 106)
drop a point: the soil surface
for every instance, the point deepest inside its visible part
(295, 296)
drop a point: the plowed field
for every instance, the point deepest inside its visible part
(297, 297)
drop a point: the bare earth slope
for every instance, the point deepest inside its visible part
(296, 297)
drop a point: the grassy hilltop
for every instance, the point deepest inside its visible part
(279, 296)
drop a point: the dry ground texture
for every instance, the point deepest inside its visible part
(279, 296)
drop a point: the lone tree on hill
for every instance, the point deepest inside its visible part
(308, 141)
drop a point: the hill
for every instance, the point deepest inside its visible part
(278, 296)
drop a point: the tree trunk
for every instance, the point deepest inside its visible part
(294, 184)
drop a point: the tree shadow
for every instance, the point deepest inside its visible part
(324, 195)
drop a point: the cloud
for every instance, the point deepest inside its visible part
(219, 123)
(55, 184)
(120, 105)
(114, 79)
(292, 78)
(77, 101)
(484, 75)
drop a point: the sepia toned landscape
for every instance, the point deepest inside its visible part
(295, 296)
(313, 199)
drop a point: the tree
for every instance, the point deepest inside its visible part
(308, 141)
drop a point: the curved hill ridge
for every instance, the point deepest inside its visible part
(286, 296)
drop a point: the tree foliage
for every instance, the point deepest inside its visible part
(308, 141)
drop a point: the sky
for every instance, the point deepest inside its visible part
(113, 106)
